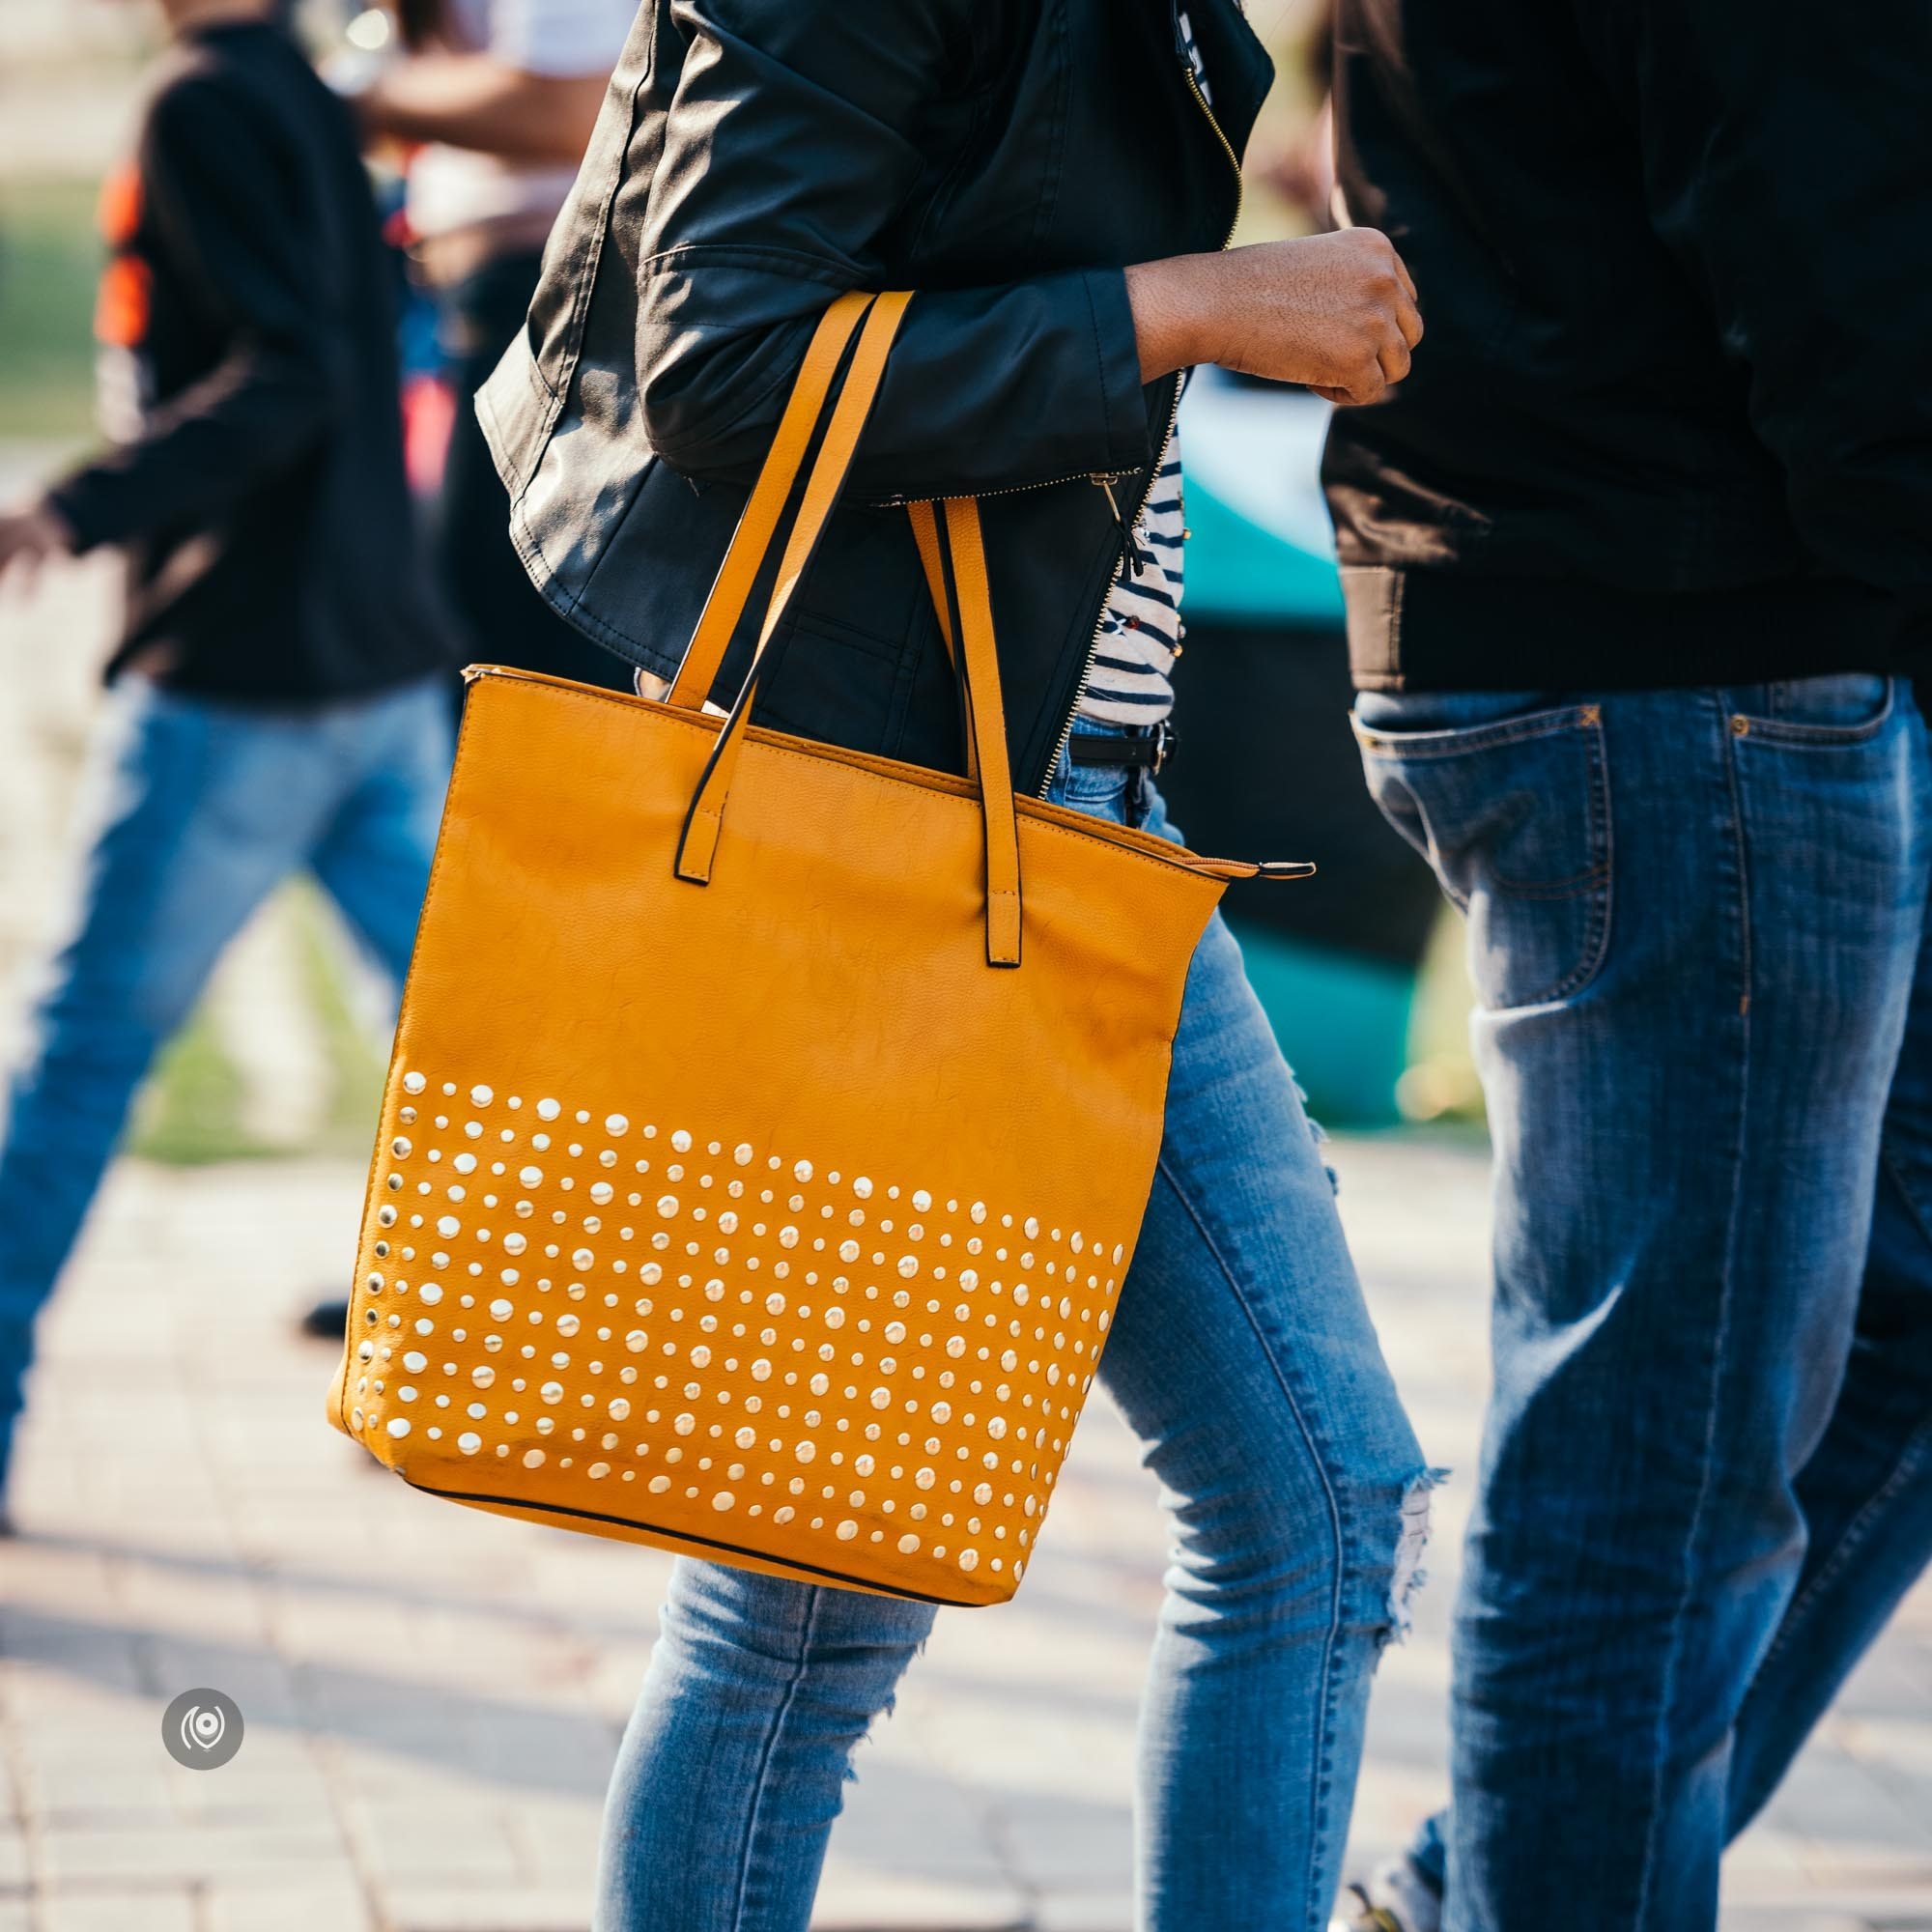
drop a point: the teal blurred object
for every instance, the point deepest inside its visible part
(1267, 759)
(1342, 1019)
(1263, 551)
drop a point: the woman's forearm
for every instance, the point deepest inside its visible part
(1335, 312)
(474, 100)
(1172, 301)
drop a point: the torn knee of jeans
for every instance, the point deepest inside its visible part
(879, 1717)
(1318, 1133)
(1413, 1540)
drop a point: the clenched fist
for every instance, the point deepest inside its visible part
(1335, 312)
(30, 532)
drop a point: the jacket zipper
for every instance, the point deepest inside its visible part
(1173, 416)
(1099, 480)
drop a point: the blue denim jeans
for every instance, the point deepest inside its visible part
(200, 809)
(1696, 928)
(1243, 1359)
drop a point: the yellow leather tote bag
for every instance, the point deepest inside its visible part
(770, 1125)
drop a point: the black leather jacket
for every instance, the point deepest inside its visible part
(754, 158)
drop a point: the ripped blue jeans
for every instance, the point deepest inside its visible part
(1245, 1360)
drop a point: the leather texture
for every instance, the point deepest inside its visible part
(754, 159)
(777, 1216)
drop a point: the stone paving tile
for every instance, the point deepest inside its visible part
(188, 1853)
(1770, 1919)
(856, 1900)
(148, 1909)
(433, 1696)
(330, 1904)
(1084, 1912)
(497, 1908)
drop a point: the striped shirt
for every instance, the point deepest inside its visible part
(1131, 679)
(1140, 628)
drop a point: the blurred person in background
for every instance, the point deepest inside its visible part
(277, 701)
(502, 96)
(492, 102)
(1633, 563)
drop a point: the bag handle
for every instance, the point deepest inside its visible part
(926, 536)
(697, 844)
(986, 719)
(731, 588)
(700, 838)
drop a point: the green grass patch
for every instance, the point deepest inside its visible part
(192, 1110)
(49, 260)
(354, 1060)
(189, 1112)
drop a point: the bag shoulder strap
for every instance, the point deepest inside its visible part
(986, 732)
(699, 840)
(697, 844)
(926, 536)
(732, 588)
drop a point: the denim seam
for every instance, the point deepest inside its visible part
(1803, 737)
(1672, 1657)
(1575, 887)
(1909, 1457)
(1857, 1531)
(1317, 1449)
(1602, 899)
(1461, 740)
(801, 1665)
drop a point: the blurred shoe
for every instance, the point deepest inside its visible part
(1359, 1914)
(1398, 1898)
(327, 1320)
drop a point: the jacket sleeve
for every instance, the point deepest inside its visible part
(791, 149)
(1786, 160)
(238, 235)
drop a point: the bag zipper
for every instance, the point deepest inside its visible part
(1129, 526)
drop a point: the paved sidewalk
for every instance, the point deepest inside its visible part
(433, 1696)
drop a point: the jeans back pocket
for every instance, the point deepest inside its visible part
(1513, 815)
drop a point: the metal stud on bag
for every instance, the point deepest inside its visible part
(887, 1313)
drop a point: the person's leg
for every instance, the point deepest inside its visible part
(373, 856)
(1243, 1357)
(1866, 1492)
(200, 812)
(733, 1766)
(1685, 1101)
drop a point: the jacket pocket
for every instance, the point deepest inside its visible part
(1515, 817)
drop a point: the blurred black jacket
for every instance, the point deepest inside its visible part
(1003, 157)
(247, 333)
(1671, 423)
